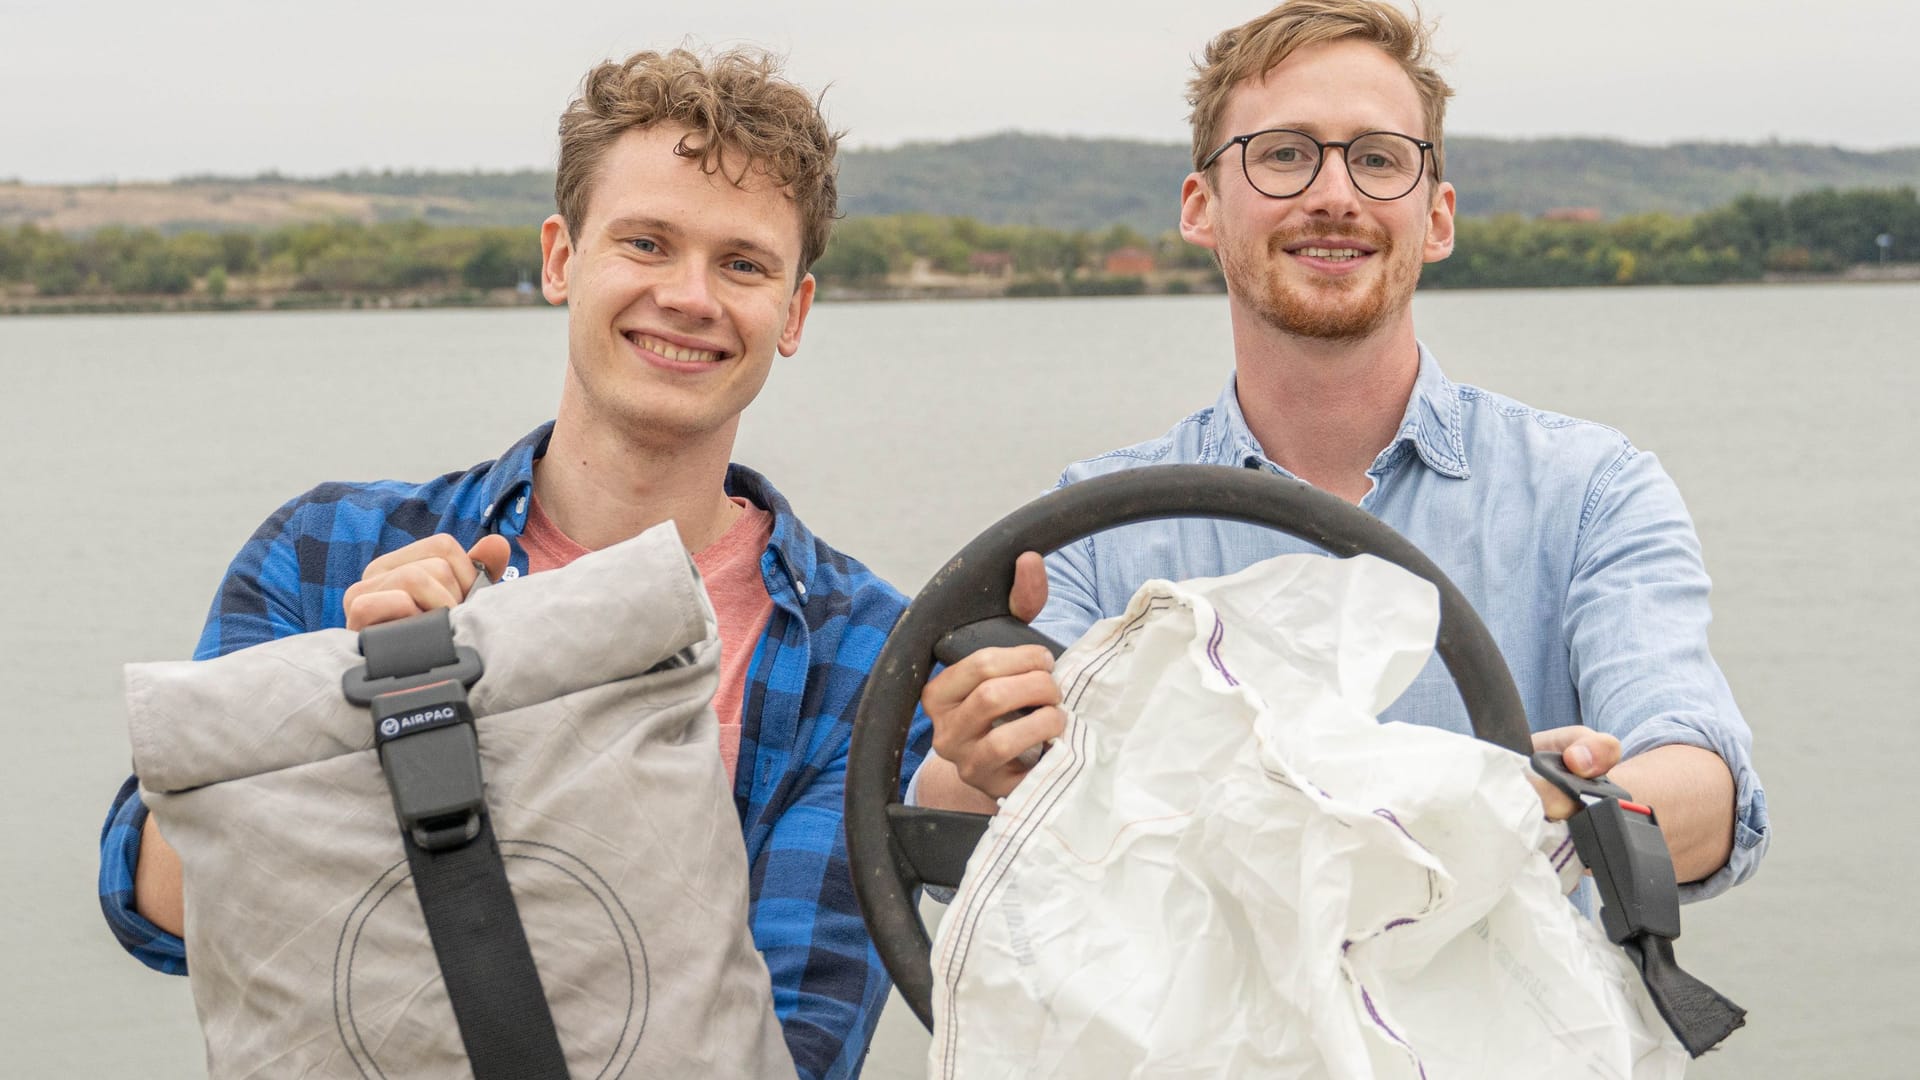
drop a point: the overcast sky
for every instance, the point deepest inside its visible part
(130, 91)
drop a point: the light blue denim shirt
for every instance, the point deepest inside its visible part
(1573, 547)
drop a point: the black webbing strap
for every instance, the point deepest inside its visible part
(415, 682)
(1699, 1015)
(1620, 842)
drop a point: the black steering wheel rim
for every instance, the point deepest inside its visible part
(893, 849)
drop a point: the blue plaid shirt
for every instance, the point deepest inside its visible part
(830, 617)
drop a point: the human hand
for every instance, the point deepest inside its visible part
(994, 709)
(430, 573)
(1584, 751)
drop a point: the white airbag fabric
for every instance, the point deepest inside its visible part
(617, 827)
(1227, 867)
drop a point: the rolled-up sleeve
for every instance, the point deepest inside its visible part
(119, 856)
(1637, 615)
(253, 605)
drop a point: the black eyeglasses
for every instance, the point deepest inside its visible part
(1281, 163)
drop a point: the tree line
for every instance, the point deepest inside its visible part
(337, 256)
(1813, 232)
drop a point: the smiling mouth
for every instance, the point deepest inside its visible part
(676, 353)
(1334, 253)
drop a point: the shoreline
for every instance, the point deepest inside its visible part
(423, 300)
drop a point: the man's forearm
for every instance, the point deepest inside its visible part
(1692, 793)
(156, 882)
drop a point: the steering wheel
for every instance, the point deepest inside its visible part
(895, 848)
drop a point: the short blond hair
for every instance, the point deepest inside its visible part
(1252, 49)
(738, 111)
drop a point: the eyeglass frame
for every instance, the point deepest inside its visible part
(1425, 145)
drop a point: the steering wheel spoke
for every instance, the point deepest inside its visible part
(997, 632)
(936, 843)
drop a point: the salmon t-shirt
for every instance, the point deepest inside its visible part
(730, 567)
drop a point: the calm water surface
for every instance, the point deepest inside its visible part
(149, 447)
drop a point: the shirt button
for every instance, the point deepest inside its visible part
(510, 573)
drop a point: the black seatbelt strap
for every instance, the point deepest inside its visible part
(1620, 842)
(415, 682)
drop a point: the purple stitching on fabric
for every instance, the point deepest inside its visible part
(1213, 651)
(1347, 943)
(1367, 999)
(1383, 812)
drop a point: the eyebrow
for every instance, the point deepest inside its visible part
(1319, 131)
(636, 223)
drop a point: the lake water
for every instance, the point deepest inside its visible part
(150, 446)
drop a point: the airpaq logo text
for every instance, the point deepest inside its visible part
(433, 716)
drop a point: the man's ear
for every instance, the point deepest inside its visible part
(556, 252)
(1196, 212)
(1440, 225)
(797, 309)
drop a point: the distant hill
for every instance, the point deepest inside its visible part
(1531, 176)
(1018, 179)
(1015, 179)
(1012, 178)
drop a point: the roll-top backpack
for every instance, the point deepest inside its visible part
(501, 843)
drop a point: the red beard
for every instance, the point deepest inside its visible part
(1292, 301)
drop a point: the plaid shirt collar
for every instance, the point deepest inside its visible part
(507, 484)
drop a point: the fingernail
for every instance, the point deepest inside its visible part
(1582, 759)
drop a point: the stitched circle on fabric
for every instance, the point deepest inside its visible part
(390, 1006)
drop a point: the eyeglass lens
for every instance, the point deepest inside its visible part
(1382, 165)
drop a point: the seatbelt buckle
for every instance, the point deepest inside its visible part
(431, 755)
(407, 653)
(1620, 842)
(415, 682)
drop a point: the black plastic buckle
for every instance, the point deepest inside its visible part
(415, 682)
(431, 756)
(408, 653)
(1620, 842)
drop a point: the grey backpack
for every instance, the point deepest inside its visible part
(576, 781)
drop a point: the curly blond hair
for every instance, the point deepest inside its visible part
(741, 117)
(1252, 49)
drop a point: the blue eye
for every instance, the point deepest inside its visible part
(646, 245)
(742, 266)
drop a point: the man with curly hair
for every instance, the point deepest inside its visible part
(694, 193)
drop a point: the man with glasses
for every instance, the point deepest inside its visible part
(1319, 184)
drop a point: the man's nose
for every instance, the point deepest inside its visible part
(1332, 191)
(688, 289)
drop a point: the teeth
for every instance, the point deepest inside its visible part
(1331, 253)
(675, 352)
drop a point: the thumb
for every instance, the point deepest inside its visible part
(492, 551)
(1029, 593)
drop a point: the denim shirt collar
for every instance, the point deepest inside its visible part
(1431, 425)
